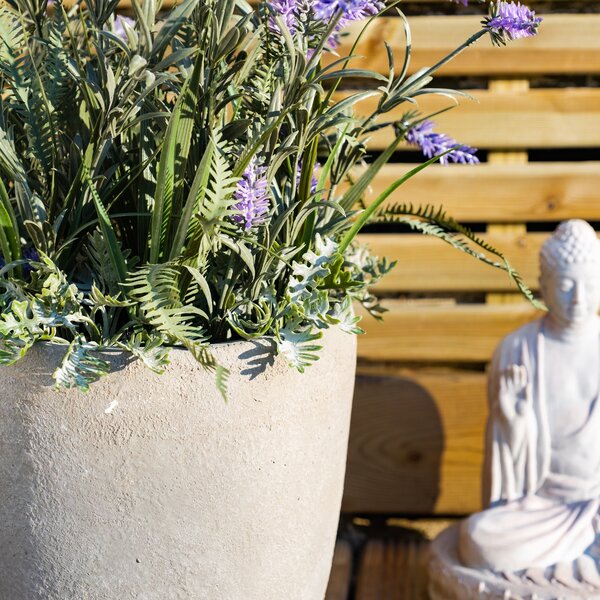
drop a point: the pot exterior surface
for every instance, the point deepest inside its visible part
(153, 487)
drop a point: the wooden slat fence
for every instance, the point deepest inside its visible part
(569, 44)
(416, 445)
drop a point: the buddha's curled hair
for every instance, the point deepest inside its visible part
(572, 242)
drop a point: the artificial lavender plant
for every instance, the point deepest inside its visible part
(182, 179)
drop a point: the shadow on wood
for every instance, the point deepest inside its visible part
(389, 454)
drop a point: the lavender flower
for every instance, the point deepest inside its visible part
(510, 21)
(252, 196)
(289, 11)
(351, 10)
(433, 144)
(313, 182)
(119, 26)
(292, 11)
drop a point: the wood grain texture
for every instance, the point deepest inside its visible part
(426, 264)
(537, 118)
(393, 570)
(338, 587)
(498, 193)
(416, 443)
(567, 43)
(439, 333)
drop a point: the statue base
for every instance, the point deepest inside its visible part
(450, 580)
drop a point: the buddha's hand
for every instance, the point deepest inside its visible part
(515, 394)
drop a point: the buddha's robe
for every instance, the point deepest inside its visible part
(536, 517)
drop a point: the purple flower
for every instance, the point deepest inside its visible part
(433, 144)
(292, 11)
(252, 195)
(119, 26)
(351, 10)
(29, 254)
(288, 10)
(510, 20)
(313, 182)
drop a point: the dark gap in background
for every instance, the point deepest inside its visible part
(416, 157)
(401, 228)
(563, 154)
(564, 81)
(549, 226)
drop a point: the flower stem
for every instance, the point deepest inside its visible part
(366, 215)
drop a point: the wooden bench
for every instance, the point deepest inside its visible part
(416, 444)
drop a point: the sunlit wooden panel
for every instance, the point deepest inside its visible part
(497, 193)
(566, 43)
(537, 118)
(439, 333)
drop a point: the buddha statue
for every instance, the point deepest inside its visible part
(540, 535)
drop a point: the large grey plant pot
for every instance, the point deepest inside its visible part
(173, 493)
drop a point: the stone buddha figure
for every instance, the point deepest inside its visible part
(540, 535)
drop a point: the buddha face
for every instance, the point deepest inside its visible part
(572, 293)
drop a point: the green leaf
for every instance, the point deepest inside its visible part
(81, 366)
(9, 234)
(172, 165)
(351, 197)
(150, 350)
(109, 235)
(194, 200)
(297, 346)
(155, 288)
(12, 350)
(171, 27)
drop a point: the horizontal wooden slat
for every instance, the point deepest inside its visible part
(536, 118)
(416, 444)
(497, 193)
(426, 264)
(431, 332)
(564, 44)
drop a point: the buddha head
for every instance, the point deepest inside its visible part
(570, 273)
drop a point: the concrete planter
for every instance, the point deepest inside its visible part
(151, 487)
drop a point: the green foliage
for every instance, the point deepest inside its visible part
(129, 164)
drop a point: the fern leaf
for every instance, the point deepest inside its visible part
(433, 221)
(80, 367)
(155, 289)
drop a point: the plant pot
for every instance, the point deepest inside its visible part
(152, 487)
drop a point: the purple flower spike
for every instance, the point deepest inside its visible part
(252, 196)
(288, 10)
(293, 11)
(433, 144)
(119, 26)
(510, 21)
(352, 10)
